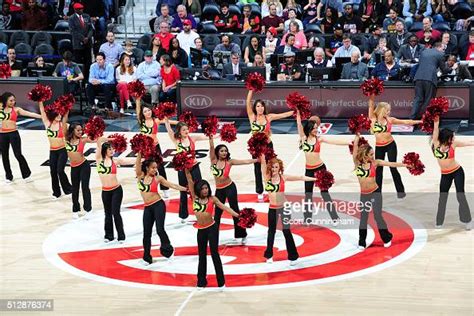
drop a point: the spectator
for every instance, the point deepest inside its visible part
(258, 60)
(333, 44)
(234, 67)
(3, 50)
(125, 73)
(96, 10)
(334, 4)
(346, 50)
(272, 20)
(390, 21)
(266, 8)
(379, 50)
(388, 69)
(415, 11)
(40, 68)
(350, 22)
(193, 7)
(164, 17)
(253, 48)
(442, 10)
(388, 4)
(111, 50)
(6, 18)
(290, 5)
(225, 21)
(172, 5)
(227, 46)
(156, 47)
(329, 20)
(292, 18)
(288, 47)
(370, 12)
(101, 79)
(249, 21)
(271, 42)
(309, 12)
(195, 59)
(15, 65)
(34, 18)
(289, 71)
(355, 70)
(467, 51)
(320, 60)
(180, 17)
(400, 37)
(71, 71)
(410, 53)
(373, 40)
(187, 37)
(448, 46)
(314, 42)
(427, 41)
(80, 26)
(300, 37)
(177, 54)
(148, 72)
(165, 35)
(129, 51)
(171, 76)
(427, 26)
(14, 10)
(461, 72)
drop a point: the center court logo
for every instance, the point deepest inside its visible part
(198, 101)
(326, 254)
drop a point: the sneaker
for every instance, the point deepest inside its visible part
(260, 197)
(244, 241)
(122, 111)
(75, 215)
(183, 221)
(222, 288)
(401, 195)
(293, 262)
(7, 181)
(88, 215)
(335, 222)
(361, 248)
(438, 226)
(54, 197)
(387, 244)
(270, 260)
(145, 263)
(129, 105)
(121, 241)
(107, 240)
(165, 194)
(469, 226)
(28, 179)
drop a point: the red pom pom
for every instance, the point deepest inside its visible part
(362, 141)
(209, 126)
(5, 71)
(415, 166)
(156, 156)
(64, 104)
(184, 160)
(190, 120)
(258, 144)
(40, 93)
(142, 144)
(438, 106)
(95, 127)
(255, 82)
(119, 142)
(358, 123)
(136, 89)
(298, 102)
(324, 179)
(228, 133)
(269, 153)
(372, 87)
(165, 109)
(427, 123)
(247, 218)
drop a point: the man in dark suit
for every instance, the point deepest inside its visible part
(234, 67)
(426, 78)
(355, 70)
(410, 53)
(80, 26)
(288, 47)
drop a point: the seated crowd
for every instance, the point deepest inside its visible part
(296, 40)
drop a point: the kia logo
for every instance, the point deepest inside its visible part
(455, 103)
(198, 101)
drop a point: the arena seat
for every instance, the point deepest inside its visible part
(417, 26)
(144, 42)
(462, 10)
(209, 42)
(313, 28)
(19, 37)
(233, 9)
(61, 26)
(23, 49)
(3, 37)
(208, 28)
(209, 12)
(44, 49)
(41, 38)
(64, 45)
(138, 52)
(441, 26)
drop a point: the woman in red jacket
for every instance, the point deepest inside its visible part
(171, 76)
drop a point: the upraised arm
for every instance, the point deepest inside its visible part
(212, 155)
(138, 108)
(169, 130)
(435, 130)
(44, 118)
(372, 107)
(250, 113)
(26, 113)
(224, 207)
(279, 116)
(355, 149)
(300, 126)
(64, 121)
(138, 166)
(98, 154)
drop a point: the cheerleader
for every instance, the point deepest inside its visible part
(275, 186)
(381, 127)
(208, 231)
(57, 151)
(221, 163)
(310, 143)
(155, 208)
(443, 145)
(149, 126)
(184, 142)
(9, 135)
(260, 121)
(80, 167)
(370, 192)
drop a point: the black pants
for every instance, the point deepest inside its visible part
(80, 176)
(424, 91)
(112, 202)
(83, 56)
(152, 214)
(391, 151)
(257, 170)
(372, 202)
(107, 89)
(205, 236)
(273, 215)
(444, 186)
(57, 164)
(13, 139)
(170, 95)
(183, 196)
(308, 189)
(229, 193)
(161, 168)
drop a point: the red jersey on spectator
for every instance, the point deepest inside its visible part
(165, 39)
(227, 22)
(171, 77)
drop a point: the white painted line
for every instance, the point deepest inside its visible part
(186, 301)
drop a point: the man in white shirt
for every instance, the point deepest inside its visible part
(112, 50)
(187, 36)
(346, 49)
